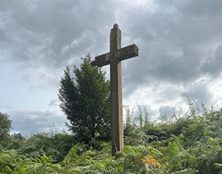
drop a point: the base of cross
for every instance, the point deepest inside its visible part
(114, 58)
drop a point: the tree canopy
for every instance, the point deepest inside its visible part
(5, 126)
(85, 99)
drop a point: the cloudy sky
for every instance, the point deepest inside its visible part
(180, 54)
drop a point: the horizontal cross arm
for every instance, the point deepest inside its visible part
(102, 60)
(121, 54)
(127, 52)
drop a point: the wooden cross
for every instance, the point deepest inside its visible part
(114, 58)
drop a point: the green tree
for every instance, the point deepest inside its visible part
(5, 126)
(85, 99)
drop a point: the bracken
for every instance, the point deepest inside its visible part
(151, 161)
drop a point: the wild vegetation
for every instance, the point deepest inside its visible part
(191, 144)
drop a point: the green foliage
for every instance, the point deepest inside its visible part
(5, 126)
(85, 99)
(134, 136)
(56, 146)
(189, 145)
(15, 141)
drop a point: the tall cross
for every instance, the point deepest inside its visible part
(114, 58)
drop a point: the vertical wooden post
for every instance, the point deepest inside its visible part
(116, 92)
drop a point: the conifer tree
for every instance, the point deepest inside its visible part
(85, 99)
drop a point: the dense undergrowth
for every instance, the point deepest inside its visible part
(188, 145)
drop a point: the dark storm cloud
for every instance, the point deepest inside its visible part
(179, 42)
(52, 32)
(175, 37)
(41, 37)
(30, 122)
